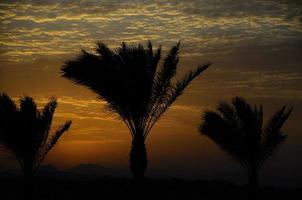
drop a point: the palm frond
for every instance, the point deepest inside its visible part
(25, 131)
(162, 80)
(131, 81)
(167, 71)
(191, 75)
(7, 105)
(259, 118)
(274, 124)
(171, 95)
(58, 133)
(272, 136)
(8, 120)
(238, 129)
(44, 125)
(83, 70)
(28, 108)
(46, 116)
(219, 130)
(103, 50)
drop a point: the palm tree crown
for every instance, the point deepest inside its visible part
(25, 131)
(129, 80)
(134, 85)
(238, 129)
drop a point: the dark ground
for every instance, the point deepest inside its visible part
(121, 188)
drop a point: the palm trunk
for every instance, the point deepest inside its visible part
(138, 158)
(138, 166)
(28, 183)
(253, 180)
(253, 184)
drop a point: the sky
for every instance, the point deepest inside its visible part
(255, 47)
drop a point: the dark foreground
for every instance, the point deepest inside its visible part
(119, 188)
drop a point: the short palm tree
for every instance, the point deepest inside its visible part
(238, 129)
(130, 80)
(25, 132)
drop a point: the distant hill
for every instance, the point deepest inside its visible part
(98, 171)
(79, 171)
(91, 171)
(108, 188)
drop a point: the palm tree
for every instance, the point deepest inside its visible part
(25, 132)
(238, 129)
(130, 80)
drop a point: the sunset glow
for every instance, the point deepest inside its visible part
(255, 48)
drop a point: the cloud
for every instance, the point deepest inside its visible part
(75, 108)
(263, 35)
(29, 28)
(185, 108)
(277, 84)
(96, 141)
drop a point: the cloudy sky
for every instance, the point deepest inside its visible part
(255, 47)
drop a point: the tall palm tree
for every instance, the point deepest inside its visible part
(135, 86)
(238, 129)
(25, 132)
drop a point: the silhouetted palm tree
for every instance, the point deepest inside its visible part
(25, 132)
(130, 80)
(238, 129)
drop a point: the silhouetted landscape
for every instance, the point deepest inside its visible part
(78, 183)
(151, 99)
(119, 188)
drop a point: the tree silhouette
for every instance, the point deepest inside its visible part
(130, 80)
(25, 132)
(238, 129)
